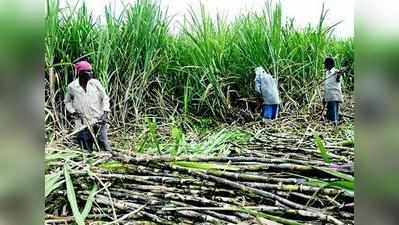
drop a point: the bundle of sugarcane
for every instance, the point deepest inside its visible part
(253, 186)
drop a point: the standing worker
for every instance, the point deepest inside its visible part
(332, 90)
(88, 103)
(267, 86)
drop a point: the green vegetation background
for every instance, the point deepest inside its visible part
(206, 69)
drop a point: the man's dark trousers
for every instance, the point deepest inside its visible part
(333, 111)
(86, 139)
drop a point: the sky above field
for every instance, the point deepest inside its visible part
(303, 11)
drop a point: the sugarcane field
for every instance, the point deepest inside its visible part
(209, 120)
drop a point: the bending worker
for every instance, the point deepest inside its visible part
(332, 90)
(267, 86)
(88, 103)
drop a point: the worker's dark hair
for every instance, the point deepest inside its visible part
(329, 63)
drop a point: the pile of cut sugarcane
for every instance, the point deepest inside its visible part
(277, 178)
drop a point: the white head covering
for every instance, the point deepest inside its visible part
(260, 70)
(267, 86)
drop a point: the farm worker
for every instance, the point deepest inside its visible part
(88, 103)
(332, 90)
(267, 86)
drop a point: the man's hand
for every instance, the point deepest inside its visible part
(104, 118)
(341, 72)
(77, 115)
(339, 77)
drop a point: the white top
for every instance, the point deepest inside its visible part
(267, 86)
(332, 88)
(91, 103)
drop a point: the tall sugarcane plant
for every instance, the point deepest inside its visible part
(202, 70)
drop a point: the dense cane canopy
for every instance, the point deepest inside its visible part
(205, 70)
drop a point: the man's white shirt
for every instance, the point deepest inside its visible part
(92, 103)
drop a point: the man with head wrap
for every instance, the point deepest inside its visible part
(88, 102)
(267, 87)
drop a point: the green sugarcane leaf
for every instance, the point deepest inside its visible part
(336, 174)
(52, 182)
(177, 136)
(114, 166)
(322, 148)
(345, 185)
(316, 183)
(89, 202)
(72, 197)
(61, 156)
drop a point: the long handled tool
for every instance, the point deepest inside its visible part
(76, 131)
(322, 110)
(312, 85)
(73, 133)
